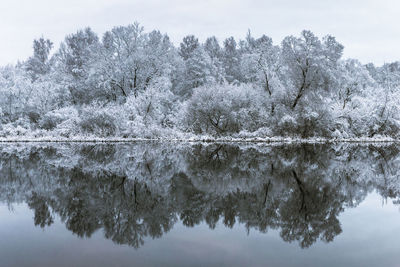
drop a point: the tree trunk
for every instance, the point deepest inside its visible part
(299, 95)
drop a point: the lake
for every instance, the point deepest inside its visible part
(199, 204)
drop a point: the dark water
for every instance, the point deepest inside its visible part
(175, 204)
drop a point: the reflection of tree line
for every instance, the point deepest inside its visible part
(142, 190)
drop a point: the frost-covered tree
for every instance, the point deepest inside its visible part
(200, 69)
(151, 111)
(73, 62)
(261, 65)
(214, 51)
(231, 60)
(309, 69)
(212, 47)
(388, 75)
(188, 45)
(201, 64)
(130, 59)
(16, 91)
(309, 62)
(354, 78)
(38, 64)
(121, 57)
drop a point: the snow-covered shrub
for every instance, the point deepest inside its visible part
(20, 97)
(19, 127)
(97, 122)
(49, 122)
(368, 117)
(53, 118)
(33, 116)
(287, 124)
(151, 110)
(305, 121)
(223, 109)
(47, 95)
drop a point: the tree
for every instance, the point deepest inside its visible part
(261, 65)
(231, 60)
(16, 90)
(74, 60)
(353, 79)
(199, 70)
(130, 60)
(76, 51)
(188, 45)
(214, 51)
(309, 64)
(212, 47)
(38, 64)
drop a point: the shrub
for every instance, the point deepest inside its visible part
(49, 121)
(224, 109)
(33, 116)
(304, 121)
(97, 122)
(53, 118)
(152, 112)
(369, 117)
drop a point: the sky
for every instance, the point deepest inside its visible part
(367, 28)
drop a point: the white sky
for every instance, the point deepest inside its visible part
(369, 29)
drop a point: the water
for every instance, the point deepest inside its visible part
(178, 204)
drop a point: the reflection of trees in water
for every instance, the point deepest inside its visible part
(140, 190)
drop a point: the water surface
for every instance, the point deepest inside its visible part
(172, 204)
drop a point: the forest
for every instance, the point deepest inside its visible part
(132, 83)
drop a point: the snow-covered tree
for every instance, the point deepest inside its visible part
(231, 60)
(261, 66)
(188, 45)
(200, 69)
(16, 91)
(309, 64)
(214, 51)
(73, 62)
(130, 59)
(38, 64)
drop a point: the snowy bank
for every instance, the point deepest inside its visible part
(198, 139)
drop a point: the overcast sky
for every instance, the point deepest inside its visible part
(368, 29)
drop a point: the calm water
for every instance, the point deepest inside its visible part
(175, 204)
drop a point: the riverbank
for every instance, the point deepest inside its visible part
(199, 139)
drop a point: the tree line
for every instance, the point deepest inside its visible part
(132, 83)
